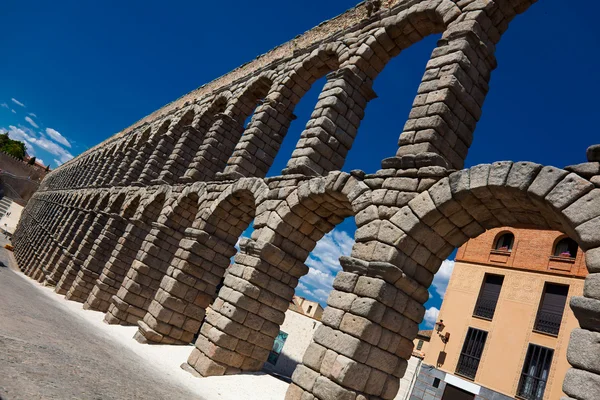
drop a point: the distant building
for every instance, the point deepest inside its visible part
(504, 325)
(421, 343)
(309, 308)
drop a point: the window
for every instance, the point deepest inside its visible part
(420, 345)
(309, 309)
(277, 347)
(566, 247)
(535, 372)
(470, 354)
(505, 242)
(551, 308)
(488, 296)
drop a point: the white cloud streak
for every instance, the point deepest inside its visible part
(33, 115)
(442, 277)
(34, 143)
(32, 122)
(324, 264)
(13, 111)
(4, 105)
(431, 316)
(17, 102)
(57, 137)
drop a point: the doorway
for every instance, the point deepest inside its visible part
(454, 393)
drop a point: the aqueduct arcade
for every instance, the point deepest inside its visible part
(144, 225)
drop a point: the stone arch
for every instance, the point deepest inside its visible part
(260, 284)
(138, 213)
(154, 257)
(330, 131)
(199, 267)
(191, 139)
(398, 256)
(225, 133)
(145, 151)
(166, 145)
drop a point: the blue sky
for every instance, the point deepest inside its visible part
(87, 70)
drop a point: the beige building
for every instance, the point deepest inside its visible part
(311, 309)
(504, 325)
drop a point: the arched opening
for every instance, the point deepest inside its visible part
(134, 173)
(266, 271)
(156, 253)
(302, 111)
(124, 253)
(395, 86)
(202, 266)
(166, 146)
(79, 278)
(191, 140)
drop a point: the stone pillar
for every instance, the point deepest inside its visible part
(139, 287)
(362, 348)
(143, 155)
(35, 233)
(218, 144)
(182, 155)
(330, 132)
(119, 175)
(582, 382)
(61, 220)
(255, 152)
(451, 95)
(188, 288)
(243, 322)
(89, 232)
(119, 262)
(73, 240)
(99, 254)
(159, 157)
(65, 236)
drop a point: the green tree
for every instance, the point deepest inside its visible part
(13, 147)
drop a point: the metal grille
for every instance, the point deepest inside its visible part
(535, 372)
(551, 309)
(471, 353)
(488, 296)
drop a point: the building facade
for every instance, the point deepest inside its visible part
(504, 325)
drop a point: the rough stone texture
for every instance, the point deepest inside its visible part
(144, 225)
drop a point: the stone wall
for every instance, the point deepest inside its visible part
(144, 225)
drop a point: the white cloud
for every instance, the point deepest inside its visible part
(13, 111)
(40, 161)
(33, 115)
(58, 163)
(17, 102)
(32, 122)
(34, 143)
(4, 105)
(324, 264)
(442, 277)
(431, 316)
(57, 137)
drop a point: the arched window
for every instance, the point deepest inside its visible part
(566, 247)
(505, 242)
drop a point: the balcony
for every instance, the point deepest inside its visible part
(548, 323)
(485, 309)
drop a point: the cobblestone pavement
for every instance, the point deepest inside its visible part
(46, 353)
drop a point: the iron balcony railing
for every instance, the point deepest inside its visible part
(485, 308)
(548, 323)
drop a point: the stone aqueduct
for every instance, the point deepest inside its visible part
(144, 225)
